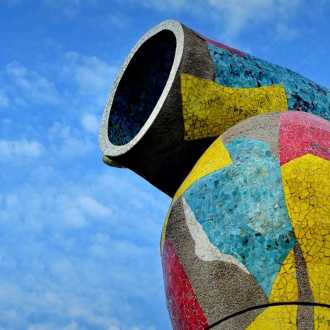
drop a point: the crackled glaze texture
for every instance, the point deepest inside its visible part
(262, 212)
(243, 147)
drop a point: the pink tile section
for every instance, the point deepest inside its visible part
(220, 45)
(184, 309)
(303, 133)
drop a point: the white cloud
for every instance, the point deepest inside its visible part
(116, 20)
(80, 248)
(67, 7)
(73, 147)
(49, 326)
(82, 260)
(76, 82)
(89, 72)
(90, 123)
(231, 17)
(284, 32)
(59, 130)
(240, 15)
(19, 150)
(166, 5)
(4, 100)
(91, 206)
(29, 86)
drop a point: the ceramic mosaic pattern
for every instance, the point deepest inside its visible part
(306, 186)
(138, 94)
(255, 228)
(181, 294)
(234, 70)
(268, 216)
(244, 86)
(246, 242)
(294, 140)
(220, 45)
(276, 318)
(209, 109)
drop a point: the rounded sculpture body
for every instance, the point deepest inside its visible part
(246, 243)
(243, 147)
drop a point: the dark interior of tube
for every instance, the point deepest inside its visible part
(141, 87)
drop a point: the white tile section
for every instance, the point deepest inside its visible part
(204, 249)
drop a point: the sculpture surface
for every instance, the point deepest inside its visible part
(243, 147)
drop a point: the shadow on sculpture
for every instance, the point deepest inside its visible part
(243, 148)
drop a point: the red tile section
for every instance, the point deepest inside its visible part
(220, 45)
(302, 133)
(184, 309)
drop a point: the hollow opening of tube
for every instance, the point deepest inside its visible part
(141, 86)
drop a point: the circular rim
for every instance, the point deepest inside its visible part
(106, 146)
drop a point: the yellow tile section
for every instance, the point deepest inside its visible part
(276, 318)
(162, 240)
(209, 109)
(214, 158)
(306, 182)
(285, 287)
(322, 318)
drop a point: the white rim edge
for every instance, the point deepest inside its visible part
(106, 146)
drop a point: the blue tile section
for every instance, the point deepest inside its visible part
(242, 209)
(233, 70)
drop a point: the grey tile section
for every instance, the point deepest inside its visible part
(221, 288)
(158, 152)
(263, 127)
(305, 317)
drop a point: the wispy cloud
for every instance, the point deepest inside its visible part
(285, 33)
(4, 100)
(90, 123)
(81, 239)
(231, 17)
(19, 150)
(76, 84)
(117, 20)
(27, 86)
(69, 8)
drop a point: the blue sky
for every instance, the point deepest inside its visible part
(79, 241)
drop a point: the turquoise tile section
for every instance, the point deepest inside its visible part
(242, 209)
(233, 70)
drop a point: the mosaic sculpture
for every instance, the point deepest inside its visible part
(243, 147)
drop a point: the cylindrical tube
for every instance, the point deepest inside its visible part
(178, 90)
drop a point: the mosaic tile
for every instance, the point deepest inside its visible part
(307, 193)
(250, 224)
(276, 318)
(242, 210)
(285, 287)
(234, 70)
(321, 318)
(204, 249)
(220, 45)
(209, 109)
(182, 304)
(302, 133)
(214, 158)
(213, 281)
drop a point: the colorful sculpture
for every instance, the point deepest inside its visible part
(243, 147)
